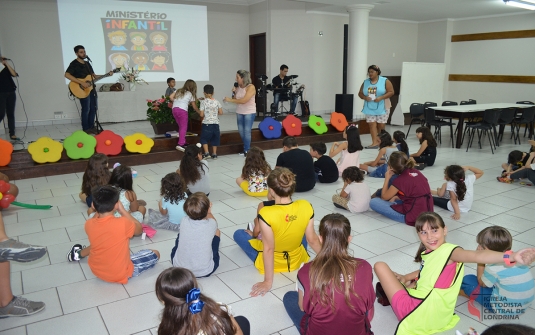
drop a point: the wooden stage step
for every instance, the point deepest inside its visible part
(22, 166)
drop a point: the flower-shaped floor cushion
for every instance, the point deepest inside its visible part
(292, 125)
(138, 143)
(270, 128)
(339, 121)
(45, 150)
(317, 124)
(109, 143)
(79, 145)
(6, 149)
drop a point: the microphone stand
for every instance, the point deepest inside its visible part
(97, 124)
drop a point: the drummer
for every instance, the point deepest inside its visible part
(283, 81)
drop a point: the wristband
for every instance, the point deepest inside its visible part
(507, 258)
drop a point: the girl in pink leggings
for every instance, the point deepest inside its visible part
(182, 98)
(424, 300)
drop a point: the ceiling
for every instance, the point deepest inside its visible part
(410, 10)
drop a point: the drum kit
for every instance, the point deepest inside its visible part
(290, 90)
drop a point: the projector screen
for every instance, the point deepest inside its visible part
(161, 40)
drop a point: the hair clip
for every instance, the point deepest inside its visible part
(198, 145)
(353, 125)
(192, 298)
(461, 179)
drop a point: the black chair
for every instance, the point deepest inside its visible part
(417, 112)
(447, 118)
(432, 120)
(469, 102)
(527, 117)
(507, 116)
(519, 112)
(487, 126)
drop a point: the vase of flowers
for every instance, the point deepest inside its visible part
(160, 115)
(131, 77)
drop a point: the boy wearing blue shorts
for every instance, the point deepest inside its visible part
(502, 289)
(210, 109)
(109, 238)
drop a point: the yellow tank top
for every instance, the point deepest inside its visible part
(288, 223)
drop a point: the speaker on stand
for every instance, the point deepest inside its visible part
(344, 105)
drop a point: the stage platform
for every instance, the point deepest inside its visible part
(22, 166)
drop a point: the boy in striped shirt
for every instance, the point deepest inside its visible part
(504, 290)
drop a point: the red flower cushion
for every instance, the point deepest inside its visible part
(292, 125)
(109, 143)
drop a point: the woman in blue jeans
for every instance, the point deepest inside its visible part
(244, 97)
(407, 196)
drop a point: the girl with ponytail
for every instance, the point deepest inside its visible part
(407, 196)
(335, 291)
(189, 312)
(194, 170)
(289, 223)
(399, 139)
(457, 193)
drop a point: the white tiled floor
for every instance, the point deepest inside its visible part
(78, 303)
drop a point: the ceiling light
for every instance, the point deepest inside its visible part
(526, 4)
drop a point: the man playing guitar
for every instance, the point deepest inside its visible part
(77, 70)
(282, 81)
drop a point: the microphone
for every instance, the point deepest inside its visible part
(234, 93)
(4, 58)
(89, 59)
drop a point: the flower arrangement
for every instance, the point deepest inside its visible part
(160, 110)
(132, 76)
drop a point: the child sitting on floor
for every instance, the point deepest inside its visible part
(188, 311)
(516, 161)
(171, 206)
(355, 195)
(498, 282)
(96, 174)
(194, 170)
(378, 167)
(324, 166)
(109, 238)
(197, 246)
(253, 178)
(427, 153)
(350, 150)
(399, 140)
(457, 194)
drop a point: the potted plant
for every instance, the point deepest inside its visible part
(160, 115)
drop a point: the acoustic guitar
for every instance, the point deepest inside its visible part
(78, 91)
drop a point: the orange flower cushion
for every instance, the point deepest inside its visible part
(339, 121)
(6, 149)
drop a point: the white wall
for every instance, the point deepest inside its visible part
(258, 18)
(432, 41)
(30, 36)
(494, 57)
(391, 43)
